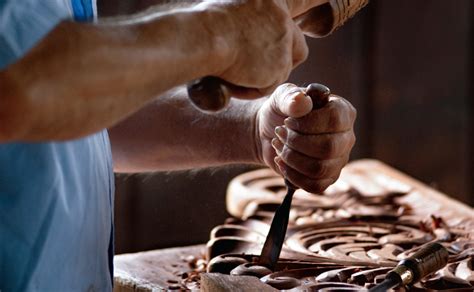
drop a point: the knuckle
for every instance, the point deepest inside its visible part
(329, 147)
(286, 87)
(280, 16)
(286, 154)
(349, 108)
(333, 179)
(318, 170)
(353, 113)
(300, 53)
(345, 160)
(334, 118)
(353, 139)
(305, 49)
(315, 187)
(283, 89)
(286, 69)
(292, 139)
(293, 124)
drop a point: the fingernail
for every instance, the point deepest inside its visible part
(280, 165)
(292, 100)
(291, 123)
(294, 96)
(276, 144)
(299, 104)
(281, 132)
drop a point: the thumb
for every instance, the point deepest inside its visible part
(290, 100)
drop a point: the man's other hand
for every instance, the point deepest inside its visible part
(307, 147)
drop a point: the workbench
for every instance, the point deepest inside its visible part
(250, 196)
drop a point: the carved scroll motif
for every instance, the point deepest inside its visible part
(345, 239)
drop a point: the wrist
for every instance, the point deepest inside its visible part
(257, 140)
(218, 30)
(254, 117)
(239, 137)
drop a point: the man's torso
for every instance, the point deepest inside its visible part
(56, 198)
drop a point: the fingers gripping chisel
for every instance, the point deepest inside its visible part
(274, 242)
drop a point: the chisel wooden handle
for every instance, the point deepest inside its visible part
(209, 94)
(319, 94)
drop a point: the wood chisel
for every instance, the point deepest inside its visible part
(274, 242)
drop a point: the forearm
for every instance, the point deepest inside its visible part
(170, 134)
(84, 77)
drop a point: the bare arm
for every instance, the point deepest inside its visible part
(310, 147)
(85, 77)
(171, 134)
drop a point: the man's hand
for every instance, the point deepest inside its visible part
(259, 42)
(309, 148)
(81, 78)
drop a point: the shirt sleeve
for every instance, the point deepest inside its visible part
(24, 23)
(84, 10)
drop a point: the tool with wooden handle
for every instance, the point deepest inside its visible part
(274, 242)
(211, 94)
(427, 260)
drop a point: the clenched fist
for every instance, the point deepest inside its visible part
(258, 42)
(308, 147)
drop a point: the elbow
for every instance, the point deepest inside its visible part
(14, 115)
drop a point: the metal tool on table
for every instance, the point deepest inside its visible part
(427, 260)
(274, 242)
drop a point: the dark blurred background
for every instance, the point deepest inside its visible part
(407, 67)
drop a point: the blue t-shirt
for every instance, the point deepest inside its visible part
(56, 198)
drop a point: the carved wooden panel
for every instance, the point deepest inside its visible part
(347, 238)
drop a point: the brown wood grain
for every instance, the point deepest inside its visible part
(150, 270)
(153, 270)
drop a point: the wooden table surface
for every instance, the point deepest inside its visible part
(163, 269)
(154, 270)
